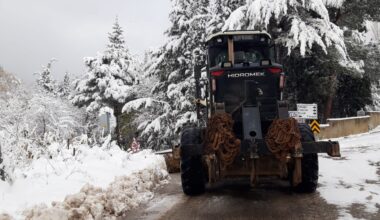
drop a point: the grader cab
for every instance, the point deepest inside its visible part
(248, 132)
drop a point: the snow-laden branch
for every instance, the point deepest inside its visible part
(333, 3)
(308, 21)
(305, 33)
(145, 103)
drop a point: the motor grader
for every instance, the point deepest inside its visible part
(248, 132)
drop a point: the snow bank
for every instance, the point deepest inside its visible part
(92, 202)
(47, 180)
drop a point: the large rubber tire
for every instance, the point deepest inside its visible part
(309, 164)
(192, 176)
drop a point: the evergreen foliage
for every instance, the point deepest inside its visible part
(127, 129)
(173, 65)
(64, 88)
(45, 81)
(353, 94)
(354, 13)
(108, 81)
(299, 25)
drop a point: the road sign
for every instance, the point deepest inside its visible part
(307, 111)
(314, 125)
(293, 114)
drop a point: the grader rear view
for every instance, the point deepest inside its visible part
(248, 132)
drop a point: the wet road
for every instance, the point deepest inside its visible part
(272, 199)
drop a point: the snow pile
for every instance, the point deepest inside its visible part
(354, 178)
(92, 202)
(51, 178)
(5, 217)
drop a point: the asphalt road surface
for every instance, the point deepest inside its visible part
(272, 199)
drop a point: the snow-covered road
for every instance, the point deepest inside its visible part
(349, 189)
(352, 182)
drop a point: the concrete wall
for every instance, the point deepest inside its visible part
(375, 119)
(340, 127)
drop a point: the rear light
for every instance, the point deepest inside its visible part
(282, 81)
(275, 70)
(217, 73)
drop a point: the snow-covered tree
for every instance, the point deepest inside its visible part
(156, 122)
(372, 67)
(108, 81)
(185, 36)
(296, 24)
(8, 83)
(45, 81)
(64, 88)
(375, 90)
(172, 103)
(30, 120)
(374, 31)
(352, 17)
(219, 11)
(353, 13)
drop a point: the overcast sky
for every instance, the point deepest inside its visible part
(34, 31)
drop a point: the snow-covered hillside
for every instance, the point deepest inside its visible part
(107, 182)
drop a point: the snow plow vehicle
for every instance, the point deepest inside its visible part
(249, 132)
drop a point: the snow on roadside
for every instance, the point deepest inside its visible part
(91, 202)
(353, 179)
(89, 171)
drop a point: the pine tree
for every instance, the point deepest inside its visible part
(219, 11)
(171, 105)
(65, 86)
(353, 13)
(45, 81)
(179, 83)
(184, 49)
(108, 81)
(353, 94)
